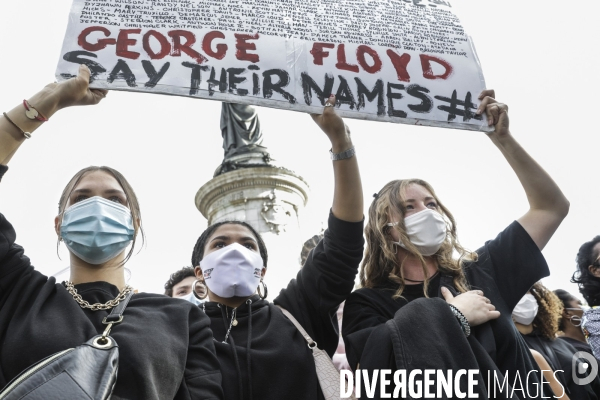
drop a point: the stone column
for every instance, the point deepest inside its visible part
(270, 199)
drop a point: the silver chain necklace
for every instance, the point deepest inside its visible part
(97, 306)
(231, 324)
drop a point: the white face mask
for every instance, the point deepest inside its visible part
(526, 310)
(192, 299)
(232, 271)
(426, 231)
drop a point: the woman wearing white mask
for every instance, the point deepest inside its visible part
(165, 345)
(410, 257)
(537, 316)
(262, 354)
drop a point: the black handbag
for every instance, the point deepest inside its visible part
(85, 372)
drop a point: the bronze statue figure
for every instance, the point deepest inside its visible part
(242, 138)
(240, 127)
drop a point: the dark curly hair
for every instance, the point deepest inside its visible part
(198, 253)
(177, 277)
(549, 311)
(589, 285)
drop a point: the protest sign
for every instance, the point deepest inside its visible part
(404, 61)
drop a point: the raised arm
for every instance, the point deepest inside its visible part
(49, 100)
(327, 277)
(348, 194)
(548, 206)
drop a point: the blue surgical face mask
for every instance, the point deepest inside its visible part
(96, 229)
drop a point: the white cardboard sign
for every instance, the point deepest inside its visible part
(403, 61)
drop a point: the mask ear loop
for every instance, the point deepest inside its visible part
(203, 285)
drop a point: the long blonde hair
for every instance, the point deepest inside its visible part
(380, 264)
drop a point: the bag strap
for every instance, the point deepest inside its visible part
(311, 343)
(116, 315)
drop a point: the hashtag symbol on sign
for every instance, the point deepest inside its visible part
(453, 109)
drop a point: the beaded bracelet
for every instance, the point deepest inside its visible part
(464, 322)
(343, 155)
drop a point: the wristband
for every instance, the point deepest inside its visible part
(343, 155)
(32, 113)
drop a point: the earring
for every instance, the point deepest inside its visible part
(203, 288)
(575, 320)
(266, 291)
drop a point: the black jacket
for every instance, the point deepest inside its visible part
(409, 341)
(265, 356)
(559, 355)
(506, 268)
(166, 348)
(579, 346)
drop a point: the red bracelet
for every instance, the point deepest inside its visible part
(32, 113)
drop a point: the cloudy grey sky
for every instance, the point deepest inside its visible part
(541, 57)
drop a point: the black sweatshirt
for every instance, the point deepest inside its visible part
(559, 355)
(166, 348)
(578, 345)
(409, 341)
(506, 269)
(266, 358)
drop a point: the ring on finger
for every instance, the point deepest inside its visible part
(328, 104)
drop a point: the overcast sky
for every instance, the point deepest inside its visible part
(541, 57)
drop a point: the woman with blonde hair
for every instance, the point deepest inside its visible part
(413, 260)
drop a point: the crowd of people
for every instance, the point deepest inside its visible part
(424, 301)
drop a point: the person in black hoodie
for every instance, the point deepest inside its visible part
(410, 264)
(262, 354)
(165, 345)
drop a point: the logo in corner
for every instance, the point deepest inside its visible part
(584, 368)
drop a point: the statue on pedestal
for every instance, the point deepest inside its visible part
(240, 127)
(242, 138)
